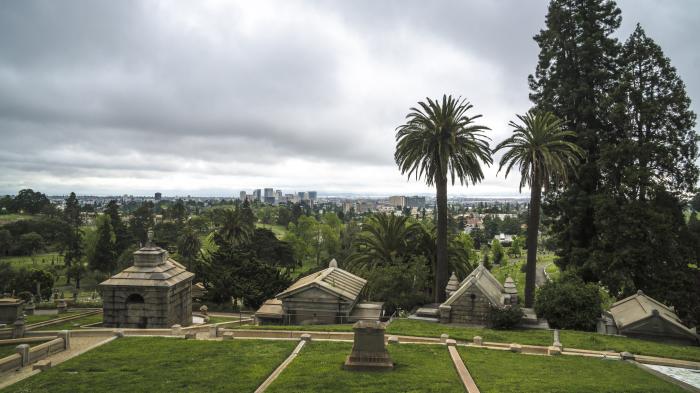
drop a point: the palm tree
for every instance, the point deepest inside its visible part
(384, 240)
(541, 150)
(440, 139)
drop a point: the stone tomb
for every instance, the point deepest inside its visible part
(368, 348)
(11, 309)
(154, 293)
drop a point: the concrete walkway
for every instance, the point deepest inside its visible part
(78, 346)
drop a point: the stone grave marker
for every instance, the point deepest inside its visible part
(368, 348)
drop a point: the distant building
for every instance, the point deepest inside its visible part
(415, 201)
(313, 195)
(269, 199)
(257, 195)
(269, 193)
(158, 196)
(242, 196)
(505, 240)
(278, 194)
(397, 201)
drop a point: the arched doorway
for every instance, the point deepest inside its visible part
(136, 311)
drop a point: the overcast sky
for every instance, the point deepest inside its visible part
(213, 97)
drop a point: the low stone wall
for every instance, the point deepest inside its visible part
(9, 363)
(45, 350)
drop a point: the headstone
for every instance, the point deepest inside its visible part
(478, 340)
(626, 356)
(557, 343)
(444, 337)
(62, 306)
(18, 328)
(368, 349)
(213, 331)
(29, 308)
(228, 336)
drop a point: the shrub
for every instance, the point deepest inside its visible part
(504, 317)
(569, 303)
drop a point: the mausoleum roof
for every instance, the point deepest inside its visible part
(152, 268)
(638, 308)
(485, 281)
(332, 279)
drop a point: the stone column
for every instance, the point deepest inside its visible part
(23, 351)
(18, 328)
(65, 335)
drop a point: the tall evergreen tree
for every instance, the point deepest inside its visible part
(73, 238)
(105, 255)
(576, 68)
(121, 233)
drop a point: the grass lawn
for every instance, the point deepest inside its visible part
(221, 319)
(30, 319)
(8, 218)
(37, 260)
(73, 323)
(553, 271)
(7, 350)
(278, 230)
(418, 368)
(305, 328)
(569, 338)
(158, 364)
(519, 373)
(512, 269)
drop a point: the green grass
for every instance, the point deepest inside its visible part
(31, 319)
(304, 328)
(503, 372)
(418, 368)
(501, 272)
(74, 323)
(157, 364)
(37, 260)
(221, 319)
(553, 271)
(569, 338)
(278, 230)
(7, 350)
(8, 218)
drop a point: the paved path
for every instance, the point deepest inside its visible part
(78, 346)
(540, 277)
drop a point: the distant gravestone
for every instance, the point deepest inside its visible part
(368, 349)
(62, 306)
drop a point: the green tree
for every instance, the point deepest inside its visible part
(497, 251)
(237, 227)
(121, 233)
(189, 247)
(73, 237)
(5, 242)
(541, 151)
(440, 140)
(178, 211)
(30, 243)
(141, 221)
(30, 202)
(104, 256)
(385, 239)
(575, 71)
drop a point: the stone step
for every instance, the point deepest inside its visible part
(426, 319)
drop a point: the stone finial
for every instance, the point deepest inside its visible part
(333, 263)
(444, 337)
(305, 337)
(452, 285)
(640, 292)
(150, 238)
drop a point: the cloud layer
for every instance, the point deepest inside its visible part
(208, 98)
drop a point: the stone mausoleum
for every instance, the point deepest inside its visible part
(469, 303)
(325, 297)
(156, 292)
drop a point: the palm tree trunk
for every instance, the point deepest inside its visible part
(533, 226)
(441, 268)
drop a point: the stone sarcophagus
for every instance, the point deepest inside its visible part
(368, 348)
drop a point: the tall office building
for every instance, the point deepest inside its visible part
(269, 193)
(257, 195)
(397, 201)
(158, 196)
(242, 196)
(313, 195)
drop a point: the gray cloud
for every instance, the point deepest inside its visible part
(136, 96)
